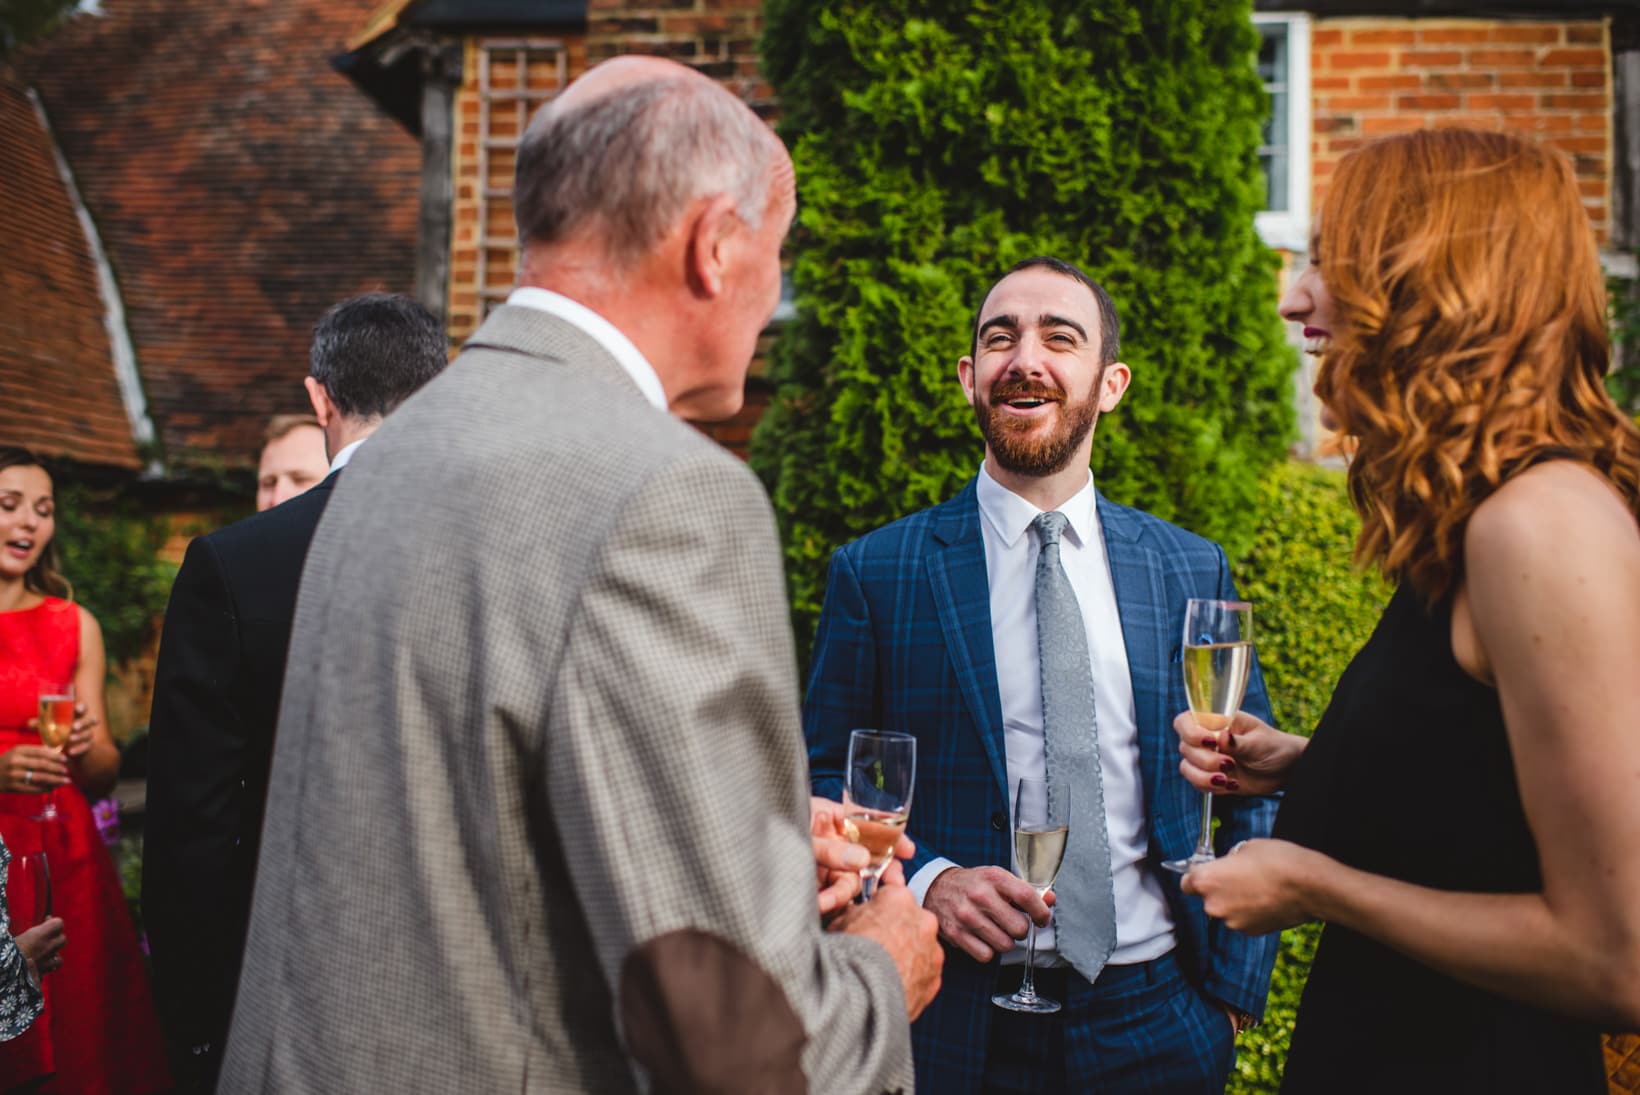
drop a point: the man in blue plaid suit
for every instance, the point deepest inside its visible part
(930, 627)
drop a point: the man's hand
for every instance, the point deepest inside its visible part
(838, 861)
(983, 910)
(909, 934)
(42, 945)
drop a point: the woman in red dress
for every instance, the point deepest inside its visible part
(99, 1032)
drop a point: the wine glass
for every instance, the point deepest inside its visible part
(1218, 655)
(56, 723)
(30, 889)
(882, 769)
(1042, 825)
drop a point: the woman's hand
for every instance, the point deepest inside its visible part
(1259, 887)
(1249, 757)
(42, 946)
(32, 769)
(80, 738)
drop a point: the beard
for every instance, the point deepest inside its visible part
(1018, 446)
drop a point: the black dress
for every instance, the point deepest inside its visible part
(1409, 775)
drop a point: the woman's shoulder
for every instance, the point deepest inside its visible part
(1547, 505)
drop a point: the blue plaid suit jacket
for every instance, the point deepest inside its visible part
(905, 643)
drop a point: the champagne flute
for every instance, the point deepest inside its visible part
(56, 723)
(31, 885)
(1218, 655)
(1042, 819)
(882, 769)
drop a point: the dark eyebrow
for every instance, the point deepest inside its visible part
(1007, 323)
(1046, 320)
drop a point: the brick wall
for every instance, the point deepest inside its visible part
(1550, 80)
(505, 79)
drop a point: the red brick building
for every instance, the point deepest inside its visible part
(191, 182)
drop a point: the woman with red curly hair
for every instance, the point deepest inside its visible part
(1466, 817)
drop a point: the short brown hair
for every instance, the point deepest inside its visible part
(281, 424)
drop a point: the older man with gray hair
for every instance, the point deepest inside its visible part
(539, 781)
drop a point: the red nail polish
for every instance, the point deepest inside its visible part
(1234, 786)
(1220, 781)
(1210, 743)
(1225, 764)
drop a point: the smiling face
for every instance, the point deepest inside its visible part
(27, 519)
(1307, 302)
(1035, 380)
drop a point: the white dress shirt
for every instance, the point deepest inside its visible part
(341, 458)
(1144, 924)
(603, 332)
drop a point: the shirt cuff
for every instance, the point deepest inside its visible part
(925, 878)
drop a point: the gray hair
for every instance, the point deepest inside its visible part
(634, 159)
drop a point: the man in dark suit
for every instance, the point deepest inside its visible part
(217, 685)
(978, 626)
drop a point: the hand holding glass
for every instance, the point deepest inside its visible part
(1218, 655)
(1041, 829)
(882, 769)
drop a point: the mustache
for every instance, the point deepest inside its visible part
(1020, 388)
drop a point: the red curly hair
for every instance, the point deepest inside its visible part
(1470, 339)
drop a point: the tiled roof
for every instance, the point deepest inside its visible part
(58, 394)
(240, 187)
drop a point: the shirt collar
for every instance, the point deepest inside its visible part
(346, 454)
(603, 332)
(1010, 515)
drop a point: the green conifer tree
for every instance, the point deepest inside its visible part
(937, 142)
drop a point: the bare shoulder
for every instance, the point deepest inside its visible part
(88, 623)
(1554, 514)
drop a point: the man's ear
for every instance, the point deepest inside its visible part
(713, 233)
(1112, 385)
(965, 376)
(323, 409)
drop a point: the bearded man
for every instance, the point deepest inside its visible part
(1029, 627)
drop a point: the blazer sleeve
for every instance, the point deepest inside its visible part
(675, 772)
(196, 748)
(843, 692)
(1239, 965)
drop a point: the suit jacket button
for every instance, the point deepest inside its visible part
(999, 821)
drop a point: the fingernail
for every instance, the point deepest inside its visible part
(1218, 781)
(856, 857)
(1230, 740)
(1226, 764)
(1209, 743)
(1234, 786)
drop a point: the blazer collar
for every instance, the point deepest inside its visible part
(513, 328)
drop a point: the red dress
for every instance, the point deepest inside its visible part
(99, 1032)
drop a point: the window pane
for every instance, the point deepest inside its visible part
(1273, 71)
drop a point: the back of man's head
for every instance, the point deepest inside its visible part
(624, 152)
(371, 352)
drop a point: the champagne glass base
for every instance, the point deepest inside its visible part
(1031, 1005)
(1182, 866)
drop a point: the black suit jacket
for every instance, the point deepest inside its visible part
(216, 702)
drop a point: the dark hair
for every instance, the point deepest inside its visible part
(43, 577)
(370, 352)
(1110, 328)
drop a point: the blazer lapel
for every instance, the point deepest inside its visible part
(1136, 574)
(962, 600)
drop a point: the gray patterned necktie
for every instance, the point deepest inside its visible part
(1085, 915)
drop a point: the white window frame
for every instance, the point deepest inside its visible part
(1289, 229)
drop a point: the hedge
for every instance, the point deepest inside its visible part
(939, 141)
(1311, 613)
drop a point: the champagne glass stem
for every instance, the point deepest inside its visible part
(1027, 988)
(1204, 846)
(868, 882)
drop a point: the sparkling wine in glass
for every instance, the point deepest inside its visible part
(877, 785)
(1042, 818)
(1218, 655)
(56, 723)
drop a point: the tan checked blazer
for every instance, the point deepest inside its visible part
(538, 814)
